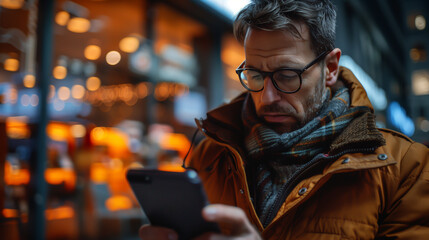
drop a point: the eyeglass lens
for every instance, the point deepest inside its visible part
(286, 80)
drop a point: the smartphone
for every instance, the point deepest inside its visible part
(172, 199)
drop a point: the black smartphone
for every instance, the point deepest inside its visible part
(172, 199)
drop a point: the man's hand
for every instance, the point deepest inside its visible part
(232, 218)
(148, 232)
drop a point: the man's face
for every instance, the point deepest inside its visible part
(271, 50)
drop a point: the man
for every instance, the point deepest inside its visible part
(298, 156)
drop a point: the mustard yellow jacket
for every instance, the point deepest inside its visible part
(378, 194)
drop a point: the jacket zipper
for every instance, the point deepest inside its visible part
(299, 175)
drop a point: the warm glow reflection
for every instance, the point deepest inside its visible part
(17, 128)
(14, 176)
(142, 90)
(59, 72)
(63, 93)
(118, 202)
(93, 83)
(175, 141)
(129, 44)
(171, 167)
(62, 212)
(78, 130)
(161, 91)
(11, 64)
(12, 4)
(62, 18)
(92, 52)
(115, 140)
(98, 173)
(78, 25)
(29, 81)
(58, 131)
(10, 213)
(113, 57)
(78, 91)
(56, 176)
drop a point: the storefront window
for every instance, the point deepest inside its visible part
(121, 94)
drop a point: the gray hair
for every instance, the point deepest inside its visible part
(274, 15)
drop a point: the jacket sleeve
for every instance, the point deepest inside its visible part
(406, 215)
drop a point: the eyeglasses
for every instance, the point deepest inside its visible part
(286, 80)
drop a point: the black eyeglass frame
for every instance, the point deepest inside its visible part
(264, 74)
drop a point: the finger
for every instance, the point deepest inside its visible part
(233, 217)
(148, 232)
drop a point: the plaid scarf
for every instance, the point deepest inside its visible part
(278, 156)
(303, 143)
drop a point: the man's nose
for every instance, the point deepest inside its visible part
(270, 93)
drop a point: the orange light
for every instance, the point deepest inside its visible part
(77, 91)
(116, 141)
(62, 212)
(92, 52)
(58, 131)
(161, 91)
(17, 128)
(15, 176)
(62, 17)
(142, 90)
(171, 167)
(63, 93)
(10, 213)
(78, 25)
(29, 81)
(59, 72)
(12, 4)
(129, 44)
(11, 64)
(93, 83)
(118, 202)
(175, 141)
(98, 173)
(56, 176)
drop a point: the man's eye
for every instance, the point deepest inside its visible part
(255, 77)
(286, 76)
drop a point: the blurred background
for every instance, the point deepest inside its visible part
(91, 88)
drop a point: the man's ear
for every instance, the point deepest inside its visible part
(332, 66)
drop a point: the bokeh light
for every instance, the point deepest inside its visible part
(92, 52)
(78, 130)
(93, 83)
(129, 44)
(59, 72)
(11, 65)
(113, 57)
(78, 91)
(62, 18)
(29, 81)
(78, 25)
(63, 93)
